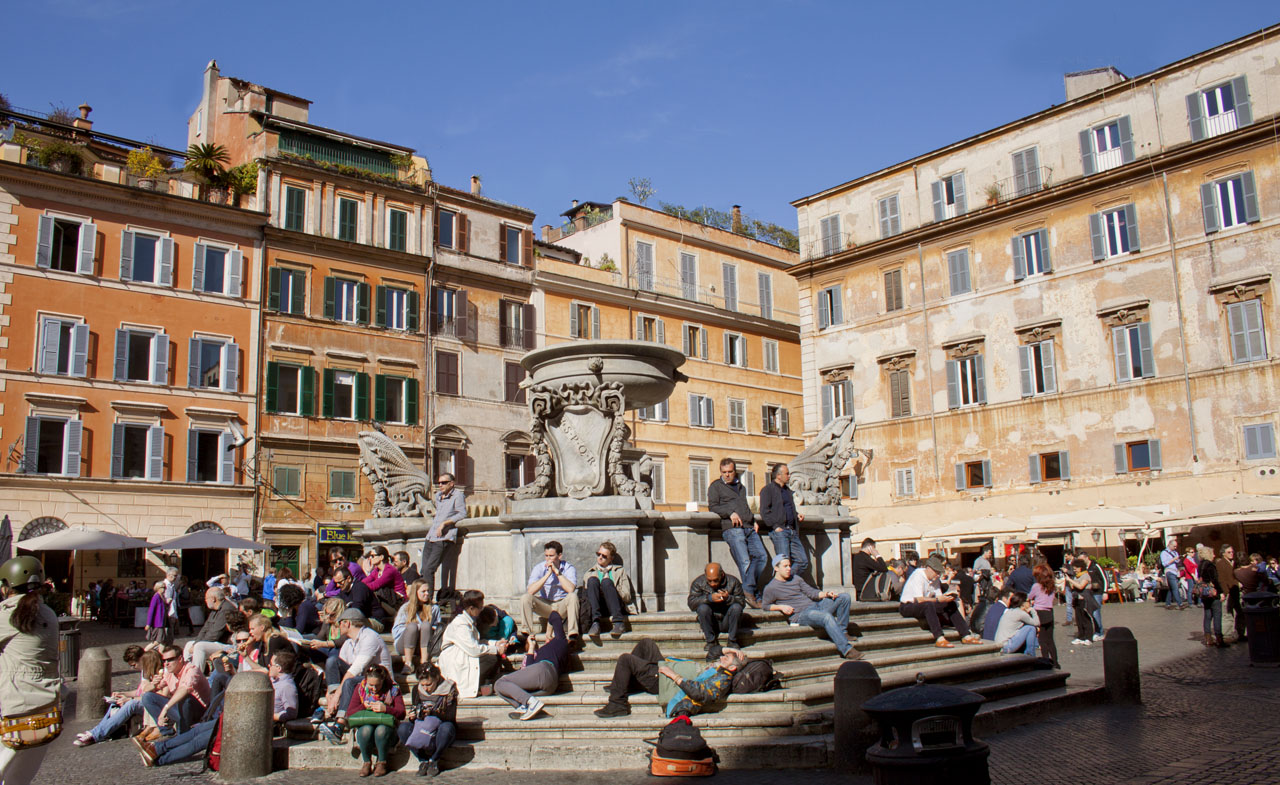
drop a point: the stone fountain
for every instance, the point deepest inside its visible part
(591, 484)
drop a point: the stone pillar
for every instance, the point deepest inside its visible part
(686, 555)
(246, 727)
(93, 684)
(1120, 666)
(856, 683)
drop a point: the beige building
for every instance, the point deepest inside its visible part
(1069, 310)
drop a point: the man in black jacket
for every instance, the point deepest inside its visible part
(356, 595)
(868, 566)
(717, 599)
(779, 514)
(727, 497)
(213, 635)
(408, 571)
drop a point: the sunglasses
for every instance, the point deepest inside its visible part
(242, 640)
(604, 556)
(169, 659)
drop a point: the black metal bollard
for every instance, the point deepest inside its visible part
(1120, 666)
(856, 683)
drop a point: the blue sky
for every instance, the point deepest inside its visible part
(718, 103)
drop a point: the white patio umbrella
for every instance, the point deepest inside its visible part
(208, 538)
(82, 538)
(1236, 505)
(894, 532)
(976, 527)
(1096, 517)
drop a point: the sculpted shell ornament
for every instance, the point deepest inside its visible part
(400, 489)
(815, 473)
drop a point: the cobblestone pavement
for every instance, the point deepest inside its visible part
(1197, 725)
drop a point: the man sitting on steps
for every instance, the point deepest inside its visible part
(717, 599)
(803, 604)
(923, 598)
(684, 687)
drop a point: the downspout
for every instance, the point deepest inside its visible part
(928, 365)
(428, 371)
(1182, 336)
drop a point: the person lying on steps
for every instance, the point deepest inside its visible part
(684, 687)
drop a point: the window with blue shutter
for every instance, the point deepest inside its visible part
(1219, 109)
(1133, 352)
(949, 198)
(958, 271)
(966, 382)
(730, 274)
(1031, 254)
(1259, 442)
(1026, 172)
(831, 238)
(1139, 456)
(890, 221)
(64, 347)
(1037, 369)
(1114, 232)
(764, 288)
(644, 266)
(689, 276)
(1248, 338)
(830, 311)
(1231, 201)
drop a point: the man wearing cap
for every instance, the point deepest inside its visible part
(361, 647)
(923, 598)
(787, 593)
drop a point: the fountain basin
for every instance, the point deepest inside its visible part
(647, 371)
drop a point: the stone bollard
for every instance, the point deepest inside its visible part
(1120, 666)
(246, 727)
(93, 684)
(856, 683)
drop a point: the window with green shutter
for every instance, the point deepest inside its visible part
(287, 480)
(295, 208)
(348, 220)
(342, 484)
(397, 230)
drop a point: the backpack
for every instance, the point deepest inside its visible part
(876, 588)
(310, 688)
(213, 752)
(755, 676)
(680, 751)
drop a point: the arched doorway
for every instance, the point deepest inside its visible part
(200, 564)
(57, 564)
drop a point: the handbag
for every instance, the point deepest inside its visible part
(423, 736)
(33, 729)
(367, 717)
(1207, 592)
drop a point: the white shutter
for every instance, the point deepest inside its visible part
(230, 366)
(80, 350)
(235, 271)
(227, 465)
(71, 448)
(165, 251)
(50, 332)
(573, 320)
(126, 256)
(1033, 467)
(88, 247)
(44, 242)
(160, 358)
(155, 453)
(198, 253)
(1047, 367)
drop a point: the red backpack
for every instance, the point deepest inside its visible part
(213, 753)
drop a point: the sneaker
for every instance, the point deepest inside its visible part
(148, 753)
(422, 768)
(317, 716)
(613, 710)
(853, 654)
(84, 739)
(1097, 639)
(330, 732)
(433, 768)
(533, 709)
(594, 632)
(1081, 642)
(618, 629)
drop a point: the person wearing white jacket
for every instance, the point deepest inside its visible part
(463, 657)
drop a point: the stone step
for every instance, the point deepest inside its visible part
(1016, 710)
(690, 634)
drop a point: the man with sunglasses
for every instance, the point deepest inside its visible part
(451, 507)
(181, 695)
(608, 588)
(727, 497)
(338, 559)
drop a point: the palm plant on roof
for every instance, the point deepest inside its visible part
(209, 162)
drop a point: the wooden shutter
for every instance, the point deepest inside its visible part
(411, 401)
(166, 261)
(380, 306)
(1250, 190)
(31, 445)
(837, 305)
(1244, 108)
(297, 291)
(1097, 238)
(329, 306)
(728, 351)
(986, 474)
(1125, 127)
(460, 316)
(502, 242)
(573, 320)
(703, 332)
(527, 325)
(847, 387)
(526, 248)
(362, 302)
(326, 398)
(308, 384)
(939, 191)
(953, 384)
(198, 253)
(960, 478)
(895, 394)
(461, 468)
(1255, 336)
(50, 332)
(1088, 158)
(435, 226)
(273, 386)
(462, 228)
(227, 466)
(88, 248)
(708, 411)
(1048, 369)
(595, 322)
(765, 426)
(117, 450)
(1144, 344)
(786, 423)
(155, 453)
(71, 449)
(1195, 116)
(504, 324)
(413, 304)
(1131, 226)
(1033, 468)
(1120, 340)
(380, 398)
(122, 354)
(957, 189)
(193, 363)
(160, 351)
(1027, 373)
(273, 289)
(362, 396)
(44, 242)
(660, 332)
(1019, 257)
(126, 256)
(193, 452)
(80, 350)
(824, 309)
(1153, 448)
(828, 404)
(695, 410)
(980, 377)
(1042, 238)
(1122, 459)
(235, 269)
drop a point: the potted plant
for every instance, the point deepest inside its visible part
(992, 193)
(61, 156)
(242, 179)
(209, 162)
(145, 165)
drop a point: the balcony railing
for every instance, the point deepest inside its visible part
(336, 153)
(682, 289)
(1029, 182)
(826, 246)
(1221, 123)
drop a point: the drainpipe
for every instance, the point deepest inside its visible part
(928, 365)
(1182, 336)
(428, 381)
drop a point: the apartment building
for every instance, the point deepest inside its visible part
(128, 339)
(1068, 310)
(625, 271)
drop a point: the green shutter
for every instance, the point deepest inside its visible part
(326, 403)
(298, 292)
(273, 371)
(380, 398)
(411, 401)
(411, 317)
(380, 312)
(308, 391)
(362, 303)
(362, 396)
(273, 289)
(328, 297)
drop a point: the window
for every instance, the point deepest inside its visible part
(702, 411)
(893, 297)
(397, 230)
(515, 324)
(1031, 254)
(1220, 109)
(659, 412)
(449, 311)
(447, 379)
(395, 400)
(66, 244)
(737, 414)
(1134, 358)
(348, 220)
(904, 482)
(1259, 442)
(346, 395)
(650, 328)
(900, 393)
(748, 478)
(146, 258)
(770, 355)
(849, 486)
(213, 364)
(837, 400)
(688, 276)
(511, 243)
(291, 389)
(397, 308)
(342, 484)
(1248, 338)
(658, 477)
(216, 270)
(1048, 467)
(764, 285)
(142, 356)
(644, 266)
(519, 470)
(830, 312)
(513, 374)
(829, 228)
(295, 208)
(948, 197)
(287, 480)
(346, 300)
(1229, 202)
(695, 341)
(210, 456)
(64, 347)
(730, 275)
(774, 421)
(1106, 146)
(698, 473)
(287, 291)
(966, 385)
(890, 223)
(454, 461)
(584, 321)
(1039, 374)
(51, 445)
(958, 272)
(445, 222)
(1138, 456)
(735, 350)
(973, 474)
(1026, 172)
(1114, 232)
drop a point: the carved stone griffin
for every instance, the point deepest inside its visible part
(815, 473)
(400, 489)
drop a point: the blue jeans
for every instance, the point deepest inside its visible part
(184, 745)
(445, 734)
(748, 553)
(830, 615)
(181, 717)
(1174, 595)
(788, 541)
(1071, 608)
(1098, 597)
(1024, 641)
(116, 718)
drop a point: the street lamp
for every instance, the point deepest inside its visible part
(1097, 536)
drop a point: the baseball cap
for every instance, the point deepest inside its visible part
(353, 614)
(778, 559)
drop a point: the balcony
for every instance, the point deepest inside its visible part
(1110, 159)
(337, 154)
(1019, 185)
(826, 246)
(1221, 123)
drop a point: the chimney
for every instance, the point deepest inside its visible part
(475, 185)
(83, 122)
(546, 234)
(737, 218)
(575, 204)
(1084, 82)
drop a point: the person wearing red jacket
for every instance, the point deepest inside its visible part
(377, 692)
